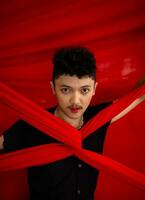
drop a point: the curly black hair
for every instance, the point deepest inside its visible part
(75, 60)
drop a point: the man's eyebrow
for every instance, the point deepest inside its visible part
(63, 85)
(85, 86)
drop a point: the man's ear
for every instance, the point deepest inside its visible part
(96, 84)
(52, 87)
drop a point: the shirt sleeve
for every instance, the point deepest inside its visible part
(14, 137)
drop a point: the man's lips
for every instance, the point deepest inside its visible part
(74, 109)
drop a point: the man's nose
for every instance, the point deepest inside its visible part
(75, 98)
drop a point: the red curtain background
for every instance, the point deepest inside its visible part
(115, 31)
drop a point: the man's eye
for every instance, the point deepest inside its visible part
(85, 90)
(65, 90)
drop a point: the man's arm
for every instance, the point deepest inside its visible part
(1, 142)
(139, 83)
(129, 108)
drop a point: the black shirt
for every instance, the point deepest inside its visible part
(66, 179)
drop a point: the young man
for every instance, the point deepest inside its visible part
(73, 84)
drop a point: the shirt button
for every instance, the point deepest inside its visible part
(79, 165)
(78, 192)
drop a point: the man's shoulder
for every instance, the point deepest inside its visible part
(51, 109)
(20, 123)
(98, 107)
(92, 110)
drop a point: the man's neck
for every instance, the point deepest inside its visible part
(77, 123)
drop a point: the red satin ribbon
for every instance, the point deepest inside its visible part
(49, 124)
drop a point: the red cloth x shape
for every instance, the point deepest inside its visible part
(70, 143)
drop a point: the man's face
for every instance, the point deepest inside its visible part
(73, 94)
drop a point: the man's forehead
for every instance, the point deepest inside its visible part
(73, 81)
